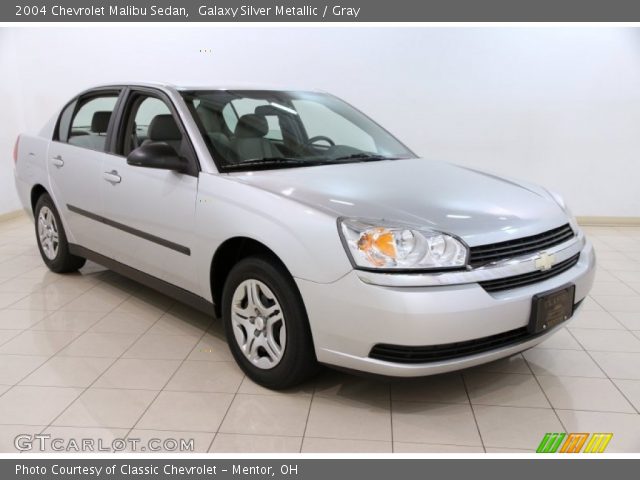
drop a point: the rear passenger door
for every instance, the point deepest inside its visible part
(75, 165)
(151, 211)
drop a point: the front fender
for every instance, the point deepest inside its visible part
(305, 239)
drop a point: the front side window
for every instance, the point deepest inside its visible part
(90, 122)
(150, 120)
(272, 129)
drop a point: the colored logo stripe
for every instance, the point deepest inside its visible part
(598, 442)
(574, 443)
(550, 442)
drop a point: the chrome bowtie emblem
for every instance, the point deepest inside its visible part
(545, 261)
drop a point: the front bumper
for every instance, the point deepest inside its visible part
(348, 317)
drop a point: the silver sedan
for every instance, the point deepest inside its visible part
(313, 233)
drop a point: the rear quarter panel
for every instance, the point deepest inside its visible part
(31, 167)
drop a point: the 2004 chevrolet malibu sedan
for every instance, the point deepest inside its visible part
(313, 233)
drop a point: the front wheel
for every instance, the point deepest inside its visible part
(266, 324)
(52, 239)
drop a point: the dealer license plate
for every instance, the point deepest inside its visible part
(551, 308)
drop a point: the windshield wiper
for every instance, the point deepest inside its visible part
(284, 162)
(271, 162)
(365, 157)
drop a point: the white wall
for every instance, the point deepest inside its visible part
(556, 106)
(11, 120)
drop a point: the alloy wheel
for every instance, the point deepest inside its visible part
(48, 233)
(258, 324)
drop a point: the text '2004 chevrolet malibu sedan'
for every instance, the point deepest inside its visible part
(311, 231)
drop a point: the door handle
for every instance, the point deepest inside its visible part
(112, 177)
(57, 161)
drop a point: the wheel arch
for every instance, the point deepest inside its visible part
(229, 253)
(36, 192)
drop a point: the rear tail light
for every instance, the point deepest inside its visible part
(15, 151)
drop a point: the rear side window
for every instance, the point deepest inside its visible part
(90, 122)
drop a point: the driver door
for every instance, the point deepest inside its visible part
(151, 211)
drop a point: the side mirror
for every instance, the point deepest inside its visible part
(157, 155)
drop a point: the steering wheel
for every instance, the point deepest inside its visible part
(318, 138)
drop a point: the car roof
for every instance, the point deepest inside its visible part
(185, 87)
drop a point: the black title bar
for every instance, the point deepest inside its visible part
(314, 469)
(320, 11)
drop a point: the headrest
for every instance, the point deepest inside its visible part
(100, 122)
(268, 110)
(251, 126)
(163, 128)
(210, 121)
(274, 109)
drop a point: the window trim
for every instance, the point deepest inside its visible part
(80, 100)
(122, 112)
(202, 131)
(56, 131)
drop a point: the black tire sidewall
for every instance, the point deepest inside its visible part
(298, 361)
(64, 261)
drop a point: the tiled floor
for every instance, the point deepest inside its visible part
(94, 355)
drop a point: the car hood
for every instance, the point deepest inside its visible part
(478, 207)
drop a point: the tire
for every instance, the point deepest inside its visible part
(281, 307)
(55, 254)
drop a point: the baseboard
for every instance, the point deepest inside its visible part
(11, 215)
(586, 221)
(609, 221)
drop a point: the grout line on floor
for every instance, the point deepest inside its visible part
(473, 412)
(104, 371)
(162, 389)
(306, 422)
(608, 377)
(545, 394)
(227, 410)
(43, 363)
(393, 448)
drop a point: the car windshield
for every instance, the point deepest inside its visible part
(252, 130)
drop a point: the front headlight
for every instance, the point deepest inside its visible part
(385, 245)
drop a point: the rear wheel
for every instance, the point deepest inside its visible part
(266, 324)
(52, 240)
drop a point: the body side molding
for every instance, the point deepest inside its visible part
(133, 231)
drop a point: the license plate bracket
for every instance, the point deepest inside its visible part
(551, 308)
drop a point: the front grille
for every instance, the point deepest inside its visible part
(525, 279)
(494, 252)
(449, 351)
